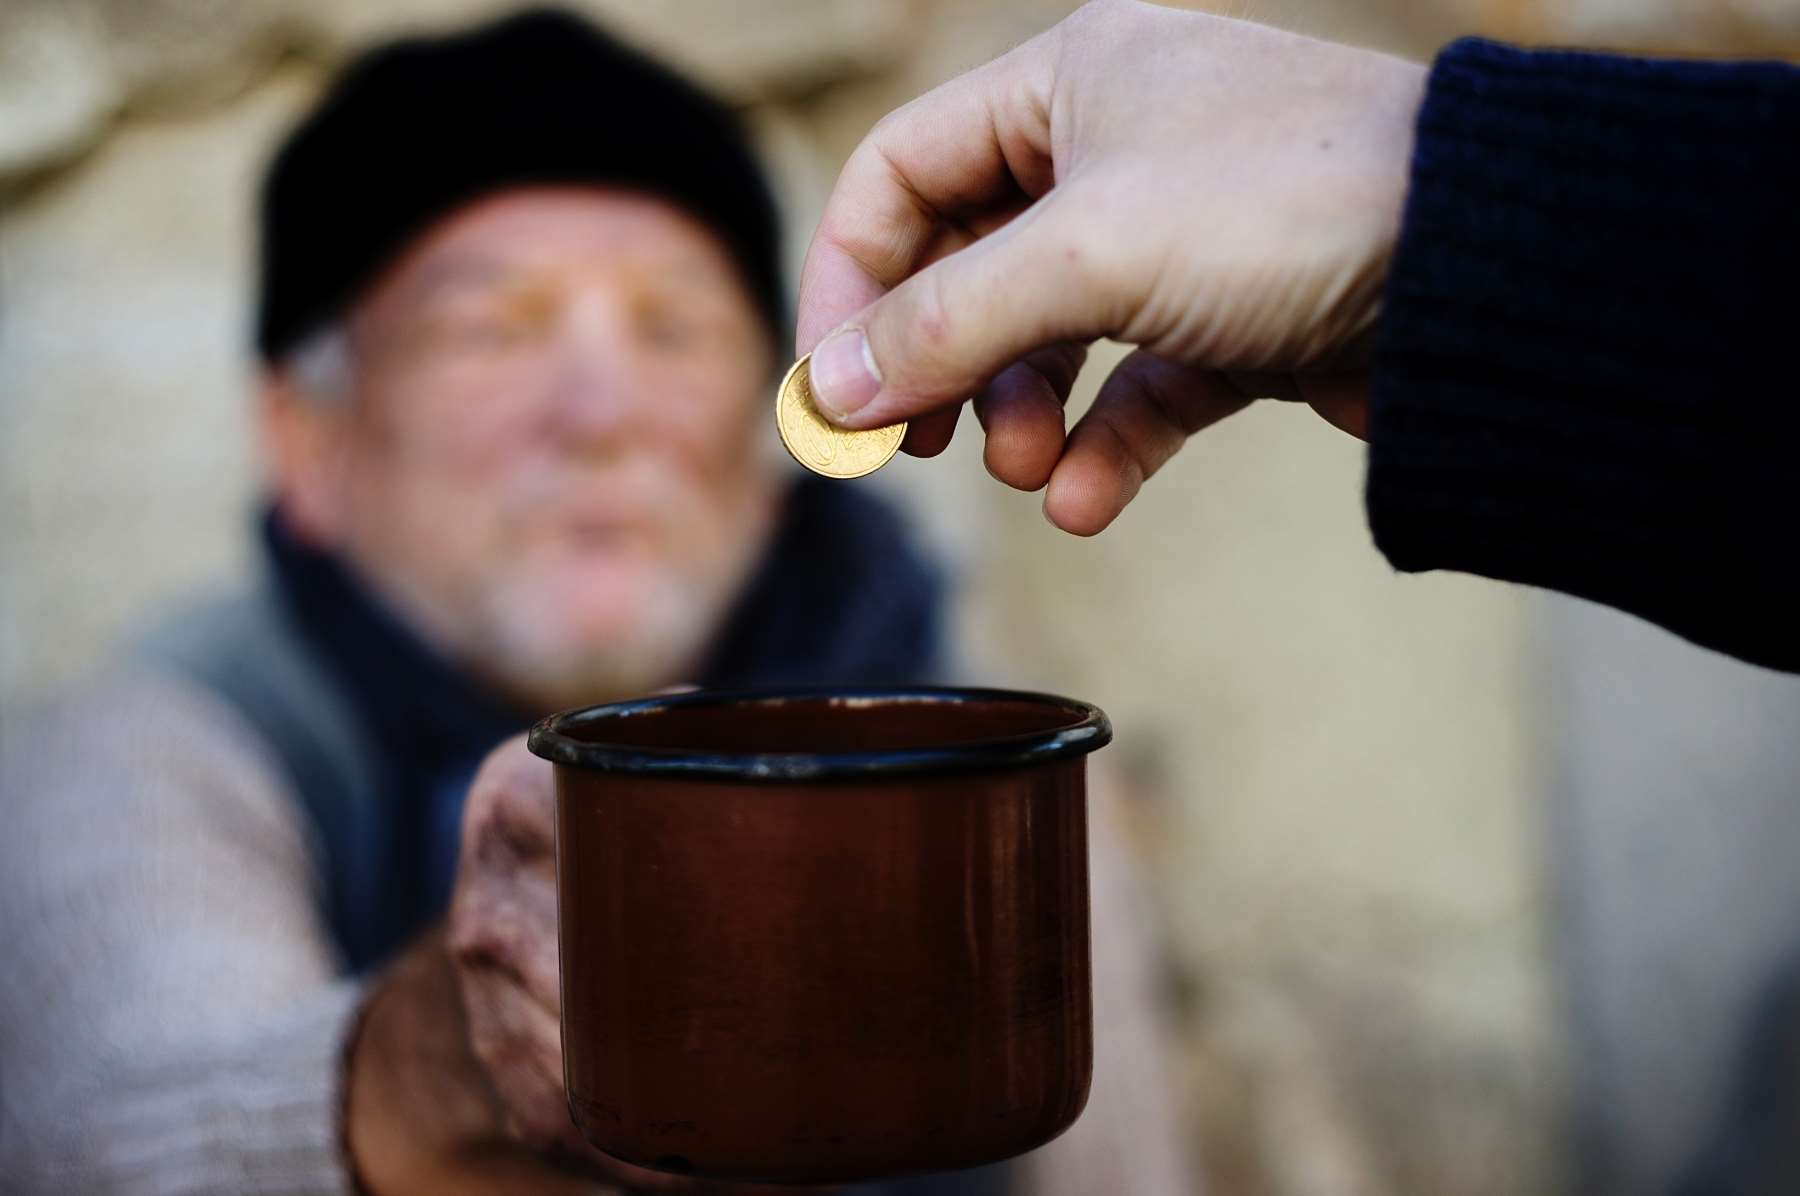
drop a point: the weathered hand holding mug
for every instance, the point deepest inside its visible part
(823, 937)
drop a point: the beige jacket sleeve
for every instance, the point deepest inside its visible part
(1126, 1143)
(171, 1016)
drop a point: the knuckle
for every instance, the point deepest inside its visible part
(882, 133)
(503, 932)
(484, 939)
(928, 314)
(1093, 260)
(508, 769)
(467, 940)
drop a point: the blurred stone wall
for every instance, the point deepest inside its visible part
(1702, 28)
(1335, 770)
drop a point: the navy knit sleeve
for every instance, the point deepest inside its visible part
(1586, 376)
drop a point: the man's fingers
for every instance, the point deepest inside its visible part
(1264, 384)
(950, 329)
(978, 143)
(930, 435)
(506, 924)
(503, 913)
(512, 801)
(1021, 414)
(520, 1044)
(1341, 399)
(1145, 411)
(932, 241)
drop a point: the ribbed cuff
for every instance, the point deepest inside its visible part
(1583, 376)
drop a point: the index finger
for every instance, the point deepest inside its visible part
(976, 145)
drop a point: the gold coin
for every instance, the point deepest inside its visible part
(821, 445)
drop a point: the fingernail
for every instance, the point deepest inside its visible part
(844, 377)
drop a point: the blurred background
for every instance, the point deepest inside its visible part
(1461, 889)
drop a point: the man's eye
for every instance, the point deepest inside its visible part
(494, 333)
(673, 332)
(483, 332)
(672, 326)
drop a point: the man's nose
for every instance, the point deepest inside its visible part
(598, 384)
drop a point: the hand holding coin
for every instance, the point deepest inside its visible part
(821, 446)
(1223, 196)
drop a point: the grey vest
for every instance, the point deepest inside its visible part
(246, 650)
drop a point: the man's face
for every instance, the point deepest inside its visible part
(549, 463)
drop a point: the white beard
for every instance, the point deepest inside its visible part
(521, 639)
(530, 656)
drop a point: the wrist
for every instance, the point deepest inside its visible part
(353, 1175)
(1396, 114)
(414, 1094)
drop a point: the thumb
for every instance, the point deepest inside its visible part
(942, 334)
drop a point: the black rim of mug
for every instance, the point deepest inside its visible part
(1086, 730)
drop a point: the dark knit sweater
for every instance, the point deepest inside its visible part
(1582, 376)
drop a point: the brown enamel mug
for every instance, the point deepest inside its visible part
(824, 936)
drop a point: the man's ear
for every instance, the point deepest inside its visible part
(304, 438)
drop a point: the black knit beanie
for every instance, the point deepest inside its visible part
(419, 127)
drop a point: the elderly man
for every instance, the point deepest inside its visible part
(270, 924)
